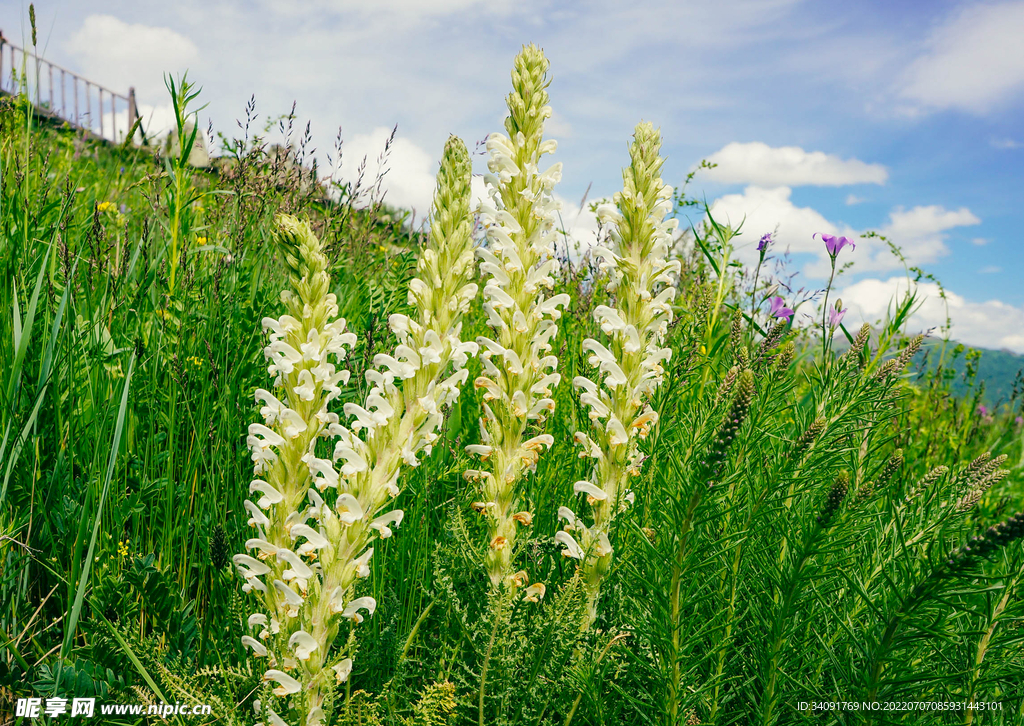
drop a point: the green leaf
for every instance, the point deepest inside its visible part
(83, 582)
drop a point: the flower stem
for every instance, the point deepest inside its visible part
(753, 291)
(499, 613)
(826, 339)
(676, 604)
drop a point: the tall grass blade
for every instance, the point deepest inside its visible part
(22, 335)
(76, 609)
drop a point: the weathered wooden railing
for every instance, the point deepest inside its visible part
(56, 91)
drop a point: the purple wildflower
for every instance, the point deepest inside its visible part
(1019, 420)
(766, 239)
(833, 244)
(835, 317)
(983, 411)
(779, 310)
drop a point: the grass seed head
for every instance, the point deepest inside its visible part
(853, 354)
(834, 498)
(981, 546)
(891, 467)
(734, 418)
(218, 548)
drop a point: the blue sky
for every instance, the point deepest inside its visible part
(906, 118)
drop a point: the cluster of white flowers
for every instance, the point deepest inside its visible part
(306, 573)
(291, 561)
(629, 362)
(411, 388)
(519, 369)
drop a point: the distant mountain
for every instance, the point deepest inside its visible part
(998, 369)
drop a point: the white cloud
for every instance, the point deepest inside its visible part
(852, 200)
(980, 241)
(762, 210)
(118, 54)
(920, 232)
(1007, 144)
(990, 269)
(989, 324)
(411, 178)
(763, 165)
(394, 8)
(410, 171)
(557, 127)
(974, 61)
(157, 120)
(579, 223)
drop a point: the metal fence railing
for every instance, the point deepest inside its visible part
(65, 94)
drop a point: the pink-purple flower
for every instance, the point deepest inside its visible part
(766, 239)
(835, 317)
(779, 309)
(833, 244)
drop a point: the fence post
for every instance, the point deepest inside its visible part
(2, 41)
(131, 109)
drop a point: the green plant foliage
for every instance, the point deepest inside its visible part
(811, 522)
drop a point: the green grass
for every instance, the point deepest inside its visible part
(131, 346)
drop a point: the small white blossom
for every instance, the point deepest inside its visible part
(303, 644)
(342, 670)
(256, 646)
(572, 547)
(383, 523)
(286, 684)
(360, 603)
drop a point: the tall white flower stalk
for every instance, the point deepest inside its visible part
(290, 560)
(317, 518)
(628, 358)
(519, 371)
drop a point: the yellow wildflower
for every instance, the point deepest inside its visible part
(106, 207)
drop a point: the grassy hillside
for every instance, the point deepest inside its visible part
(705, 526)
(994, 376)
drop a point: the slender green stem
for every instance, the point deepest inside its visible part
(499, 614)
(676, 604)
(416, 629)
(825, 337)
(597, 662)
(753, 291)
(983, 644)
(782, 619)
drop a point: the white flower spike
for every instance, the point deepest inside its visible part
(316, 520)
(628, 361)
(519, 261)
